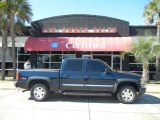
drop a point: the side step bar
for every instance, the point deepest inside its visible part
(87, 94)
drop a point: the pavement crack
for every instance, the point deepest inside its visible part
(89, 111)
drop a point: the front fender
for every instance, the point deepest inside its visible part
(120, 82)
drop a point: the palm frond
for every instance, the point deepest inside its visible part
(152, 11)
(145, 48)
(19, 9)
(23, 10)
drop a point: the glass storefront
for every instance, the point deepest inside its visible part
(114, 60)
(8, 63)
(136, 67)
(52, 60)
(22, 57)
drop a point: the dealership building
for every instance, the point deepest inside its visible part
(48, 41)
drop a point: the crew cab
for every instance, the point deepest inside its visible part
(80, 76)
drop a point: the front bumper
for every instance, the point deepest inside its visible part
(142, 89)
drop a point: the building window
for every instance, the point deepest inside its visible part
(113, 59)
(52, 60)
(137, 67)
(8, 62)
(22, 57)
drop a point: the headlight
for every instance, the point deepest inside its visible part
(142, 81)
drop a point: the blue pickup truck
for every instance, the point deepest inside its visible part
(81, 77)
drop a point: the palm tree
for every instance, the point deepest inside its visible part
(152, 14)
(4, 31)
(145, 49)
(18, 11)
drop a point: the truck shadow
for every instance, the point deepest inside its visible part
(143, 99)
(148, 99)
(83, 99)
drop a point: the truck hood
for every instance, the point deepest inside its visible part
(127, 75)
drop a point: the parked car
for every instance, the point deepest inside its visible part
(81, 77)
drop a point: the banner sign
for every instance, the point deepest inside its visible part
(78, 43)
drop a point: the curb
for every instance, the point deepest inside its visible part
(8, 85)
(152, 92)
(9, 89)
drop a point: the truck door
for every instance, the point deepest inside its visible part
(72, 75)
(98, 79)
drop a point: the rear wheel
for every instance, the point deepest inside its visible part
(127, 94)
(39, 92)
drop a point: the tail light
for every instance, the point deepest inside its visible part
(17, 75)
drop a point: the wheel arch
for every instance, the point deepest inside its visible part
(126, 83)
(34, 81)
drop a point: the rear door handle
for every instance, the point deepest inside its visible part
(66, 76)
(85, 79)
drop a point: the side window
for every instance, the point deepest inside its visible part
(95, 66)
(74, 65)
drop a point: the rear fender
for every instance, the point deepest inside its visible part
(37, 79)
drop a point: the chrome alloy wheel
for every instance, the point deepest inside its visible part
(39, 92)
(127, 95)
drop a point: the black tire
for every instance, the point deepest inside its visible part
(39, 92)
(127, 94)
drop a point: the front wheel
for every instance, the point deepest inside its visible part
(127, 94)
(39, 92)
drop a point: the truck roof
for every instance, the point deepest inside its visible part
(81, 59)
(87, 59)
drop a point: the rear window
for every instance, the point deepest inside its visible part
(74, 65)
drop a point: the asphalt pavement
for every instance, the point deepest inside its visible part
(18, 105)
(15, 105)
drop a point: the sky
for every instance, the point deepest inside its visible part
(128, 10)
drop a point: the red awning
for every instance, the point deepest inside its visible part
(78, 43)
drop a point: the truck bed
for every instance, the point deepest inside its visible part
(40, 72)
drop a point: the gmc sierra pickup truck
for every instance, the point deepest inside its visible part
(81, 77)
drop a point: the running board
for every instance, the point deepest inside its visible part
(87, 94)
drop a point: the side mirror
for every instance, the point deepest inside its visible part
(107, 71)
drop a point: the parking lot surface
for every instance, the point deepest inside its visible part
(15, 105)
